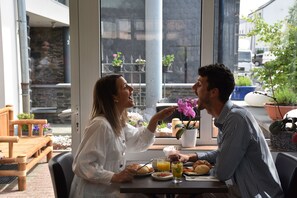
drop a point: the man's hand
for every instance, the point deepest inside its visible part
(179, 157)
(183, 157)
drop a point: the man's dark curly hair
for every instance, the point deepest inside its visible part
(219, 76)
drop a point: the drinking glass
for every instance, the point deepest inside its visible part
(163, 165)
(177, 171)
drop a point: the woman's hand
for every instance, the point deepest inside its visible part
(161, 115)
(124, 176)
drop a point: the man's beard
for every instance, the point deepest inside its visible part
(199, 105)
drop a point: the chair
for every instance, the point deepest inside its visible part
(25, 151)
(60, 167)
(286, 166)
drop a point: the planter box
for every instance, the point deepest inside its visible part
(239, 92)
(277, 114)
(282, 142)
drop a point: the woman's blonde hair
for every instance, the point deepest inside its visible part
(103, 103)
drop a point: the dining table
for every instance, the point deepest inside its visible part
(148, 185)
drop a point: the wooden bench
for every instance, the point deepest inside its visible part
(25, 151)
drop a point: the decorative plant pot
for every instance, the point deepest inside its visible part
(166, 69)
(277, 112)
(256, 99)
(188, 138)
(140, 67)
(282, 142)
(117, 69)
(239, 92)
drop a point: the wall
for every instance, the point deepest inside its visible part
(47, 55)
(280, 7)
(47, 71)
(9, 56)
(50, 100)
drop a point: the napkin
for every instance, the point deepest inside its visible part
(201, 178)
(169, 150)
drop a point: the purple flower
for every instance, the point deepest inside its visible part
(186, 107)
(35, 128)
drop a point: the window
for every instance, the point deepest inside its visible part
(207, 40)
(181, 23)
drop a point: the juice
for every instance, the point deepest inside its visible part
(177, 171)
(163, 165)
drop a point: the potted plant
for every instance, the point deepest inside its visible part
(284, 100)
(140, 64)
(278, 76)
(187, 131)
(243, 85)
(163, 129)
(167, 61)
(284, 134)
(22, 116)
(117, 62)
(46, 129)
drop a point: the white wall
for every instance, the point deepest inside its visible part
(276, 11)
(49, 9)
(9, 56)
(85, 61)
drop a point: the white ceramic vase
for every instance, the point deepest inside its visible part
(189, 137)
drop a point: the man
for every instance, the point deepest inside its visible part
(243, 158)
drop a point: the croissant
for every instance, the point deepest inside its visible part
(143, 170)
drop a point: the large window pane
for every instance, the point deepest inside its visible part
(124, 30)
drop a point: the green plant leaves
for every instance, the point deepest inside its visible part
(179, 133)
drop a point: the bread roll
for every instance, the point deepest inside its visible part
(201, 169)
(200, 162)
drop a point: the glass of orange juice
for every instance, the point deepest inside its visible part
(163, 164)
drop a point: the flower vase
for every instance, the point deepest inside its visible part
(139, 67)
(189, 137)
(166, 69)
(117, 69)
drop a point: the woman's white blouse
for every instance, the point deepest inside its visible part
(101, 154)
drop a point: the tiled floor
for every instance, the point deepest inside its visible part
(39, 184)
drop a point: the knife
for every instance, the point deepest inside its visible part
(144, 165)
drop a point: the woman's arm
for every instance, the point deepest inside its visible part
(161, 115)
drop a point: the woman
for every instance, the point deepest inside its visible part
(99, 164)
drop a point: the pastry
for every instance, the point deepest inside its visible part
(143, 170)
(201, 167)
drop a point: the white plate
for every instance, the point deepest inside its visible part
(142, 175)
(190, 172)
(161, 176)
(194, 174)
